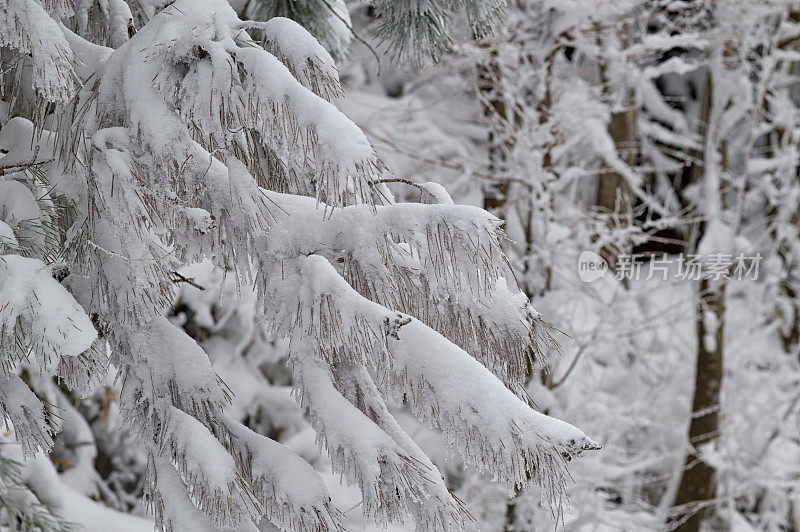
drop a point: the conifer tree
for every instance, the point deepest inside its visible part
(138, 141)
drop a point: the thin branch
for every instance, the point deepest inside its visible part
(449, 166)
(572, 365)
(398, 180)
(181, 279)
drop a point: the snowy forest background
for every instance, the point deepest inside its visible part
(211, 252)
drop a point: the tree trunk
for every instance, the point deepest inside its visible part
(613, 192)
(697, 483)
(623, 132)
(494, 110)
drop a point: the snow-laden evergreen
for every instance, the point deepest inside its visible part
(142, 140)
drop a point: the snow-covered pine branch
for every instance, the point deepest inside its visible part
(21, 504)
(308, 62)
(40, 323)
(415, 32)
(440, 263)
(495, 431)
(108, 23)
(203, 81)
(367, 446)
(412, 31)
(27, 28)
(328, 21)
